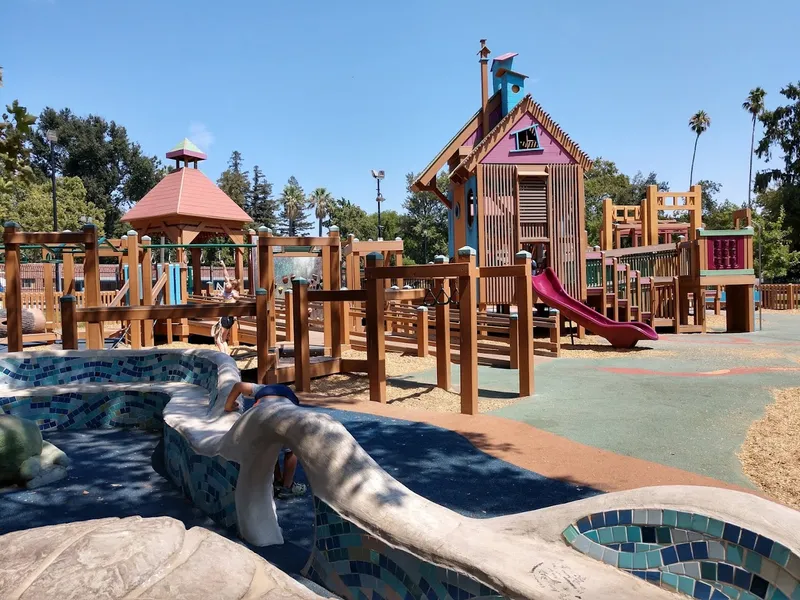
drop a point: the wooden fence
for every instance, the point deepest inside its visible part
(780, 296)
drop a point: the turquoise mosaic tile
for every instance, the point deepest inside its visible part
(692, 554)
(354, 564)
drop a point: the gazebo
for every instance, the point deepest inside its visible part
(187, 207)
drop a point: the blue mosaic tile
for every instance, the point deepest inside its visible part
(692, 554)
(353, 564)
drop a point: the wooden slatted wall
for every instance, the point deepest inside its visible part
(565, 236)
(532, 200)
(500, 227)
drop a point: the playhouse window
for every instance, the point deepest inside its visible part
(527, 139)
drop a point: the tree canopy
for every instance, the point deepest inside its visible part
(235, 181)
(293, 220)
(261, 206)
(425, 226)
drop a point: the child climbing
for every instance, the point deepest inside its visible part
(284, 484)
(222, 329)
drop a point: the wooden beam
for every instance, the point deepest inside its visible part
(133, 280)
(376, 331)
(13, 297)
(69, 324)
(436, 271)
(178, 311)
(262, 351)
(302, 351)
(147, 289)
(468, 355)
(524, 300)
(95, 335)
(442, 334)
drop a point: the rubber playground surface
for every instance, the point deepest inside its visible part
(687, 403)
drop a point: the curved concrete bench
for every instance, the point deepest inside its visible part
(549, 553)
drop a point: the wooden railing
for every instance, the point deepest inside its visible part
(780, 296)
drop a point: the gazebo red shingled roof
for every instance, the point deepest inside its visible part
(186, 204)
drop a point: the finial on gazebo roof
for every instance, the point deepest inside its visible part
(187, 152)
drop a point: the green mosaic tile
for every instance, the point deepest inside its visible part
(653, 559)
(780, 554)
(606, 537)
(625, 560)
(686, 585)
(708, 570)
(634, 534)
(669, 581)
(715, 528)
(570, 533)
(699, 523)
(733, 555)
(639, 561)
(592, 535)
(619, 534)
(752, 562)
(663, 535)
(731, 591)
(684, 520)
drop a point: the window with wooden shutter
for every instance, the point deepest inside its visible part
(532, 200)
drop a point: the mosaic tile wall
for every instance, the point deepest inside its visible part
(691, 554)
(210, 482)
(122, 408)
(36, 371)
(349, 562)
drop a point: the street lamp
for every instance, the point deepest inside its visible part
(378, 175)
(52, 137)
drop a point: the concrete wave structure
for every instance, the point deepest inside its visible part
(375, 535)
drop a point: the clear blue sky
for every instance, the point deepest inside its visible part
(329, 90)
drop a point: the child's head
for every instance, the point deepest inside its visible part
(232, 285)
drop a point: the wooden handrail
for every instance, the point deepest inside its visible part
(337, 295)
(177, 311)
(162, 281)
(120, 294)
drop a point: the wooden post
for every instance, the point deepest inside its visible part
(513, 341)
(262, 350)
(133, 279)
(167, 296)
(677, 303)
(197, 271)
(615, 283)
(288, 314)
(183, 293)
(238, 261)
(345, 324)
(95, 334)
(69, 272)
(251, 272)
(327, 332)
(422, 331)
(49, 283)
(696, 213)
(717, 299)
(338, 323)
(266, 279)
(13, 289)
(376, 332)
(398, 260)
(442, 334)
(302, 352)
(147, 288)
(555, 332)
(524, 301)
(468, 323)
(69, 324)
(607, 230)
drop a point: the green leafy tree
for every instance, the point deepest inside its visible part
(425, 224)
(777, 257)
(16, 128)
(31, 205)
(293, 220)
(717, 214)
(755, 106)
(392, 223)
(320, 201)
(235, 181)
(780, 187)
(349, 218)
(114, 170)
(699, 124)
(261, 206)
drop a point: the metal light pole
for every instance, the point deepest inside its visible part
(378, 175)
(52, 137)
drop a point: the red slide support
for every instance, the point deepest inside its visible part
(549, 290)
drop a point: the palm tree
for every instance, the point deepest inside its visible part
(293, 203)
(699, 123)
(320, 199)
(755, 106)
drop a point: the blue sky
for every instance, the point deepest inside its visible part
(327, 91)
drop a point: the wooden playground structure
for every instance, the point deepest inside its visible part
(147, 302)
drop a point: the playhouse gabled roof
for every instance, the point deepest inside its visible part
(503, 128)
(440, 160)
(186, 192)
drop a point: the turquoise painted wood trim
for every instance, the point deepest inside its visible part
(724, 272)
(724, 232)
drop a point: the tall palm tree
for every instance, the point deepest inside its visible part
(755, 106)
(699, 123)
(320, 199)
(293, 203)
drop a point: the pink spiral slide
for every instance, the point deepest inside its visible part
(621, 335)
